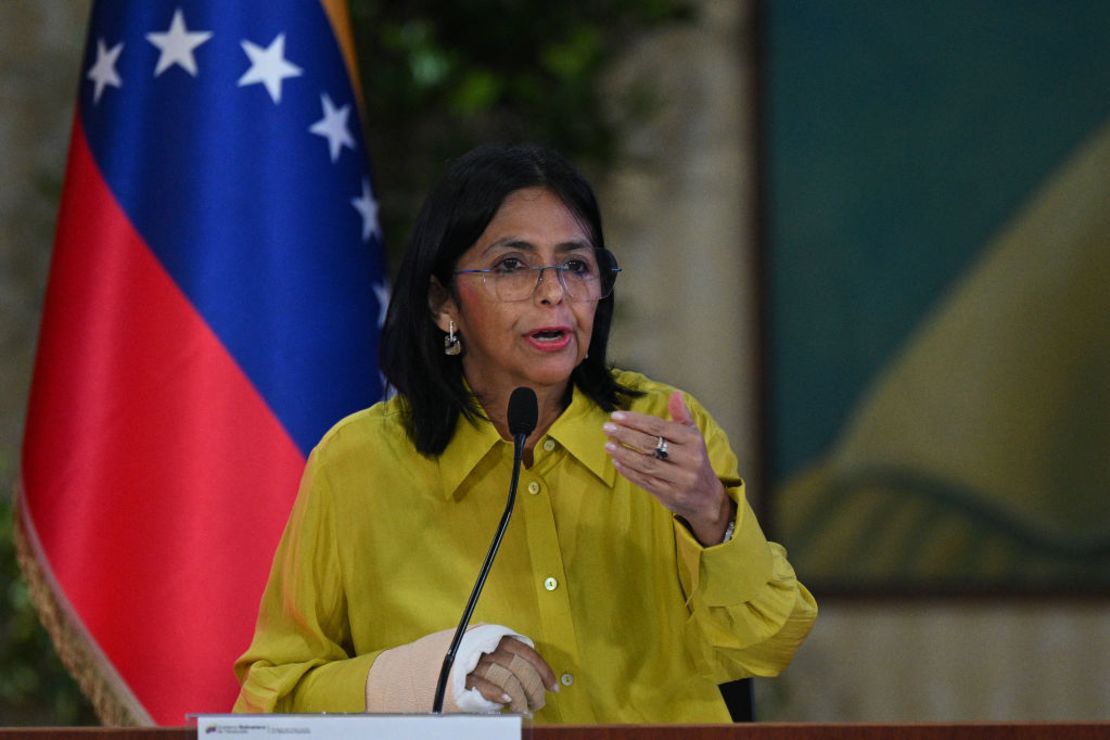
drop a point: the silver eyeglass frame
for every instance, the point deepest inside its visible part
(560, 271)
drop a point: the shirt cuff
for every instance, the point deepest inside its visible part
(732, 572)
(343, 690)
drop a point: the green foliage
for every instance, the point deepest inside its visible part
(34, 687)
(441, 77)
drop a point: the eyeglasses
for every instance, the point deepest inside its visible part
(587, 276)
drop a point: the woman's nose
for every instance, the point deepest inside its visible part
(550, 288)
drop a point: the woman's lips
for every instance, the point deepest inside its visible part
(550, 338)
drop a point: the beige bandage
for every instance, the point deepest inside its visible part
(521, 681)
(506, 683)
(530, 681)
(403, 679)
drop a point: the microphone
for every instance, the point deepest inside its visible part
(523, 414)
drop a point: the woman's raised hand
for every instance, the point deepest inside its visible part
(669, 460)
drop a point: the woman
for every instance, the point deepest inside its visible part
(633, 577)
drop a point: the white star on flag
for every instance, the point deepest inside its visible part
(381, 294)
(268, 66)
(368, 209)
(333, 127)
(103, 72)
(177, 44)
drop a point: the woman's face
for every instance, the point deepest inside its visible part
(535, 342)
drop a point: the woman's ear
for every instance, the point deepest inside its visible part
(441, 304)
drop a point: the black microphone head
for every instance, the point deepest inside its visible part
(524, 411)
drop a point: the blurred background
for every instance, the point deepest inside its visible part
(873, 238)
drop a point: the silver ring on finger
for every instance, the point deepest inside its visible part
(661, 448)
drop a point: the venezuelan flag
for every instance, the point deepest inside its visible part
(213, 307)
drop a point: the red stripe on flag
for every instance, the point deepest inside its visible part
(156, 478)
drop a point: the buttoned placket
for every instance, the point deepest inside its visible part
(552, 593)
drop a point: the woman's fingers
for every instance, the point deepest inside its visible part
(488, 689)
(510, 690)
(646, 467)
(638, 442)
(675, 444)
(679, 411)
(513, 674)
(643, 432)
(530, 681)
(543, 670)
(677, 469)
(652, 427)
(669, 460)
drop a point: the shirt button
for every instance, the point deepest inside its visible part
(566, 679)
(549, 444)
(533, 488)
(550, 584)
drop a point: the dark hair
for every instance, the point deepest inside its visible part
(450, 221)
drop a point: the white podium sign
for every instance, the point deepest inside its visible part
(363, 726)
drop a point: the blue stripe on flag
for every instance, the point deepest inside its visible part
(237, 196)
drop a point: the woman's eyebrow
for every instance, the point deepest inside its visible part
(510, 242)
(573, 246)
(523, 245)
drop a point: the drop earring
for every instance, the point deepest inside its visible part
(451, 344)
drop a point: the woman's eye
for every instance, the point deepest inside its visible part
(510, 264)
(578, 267)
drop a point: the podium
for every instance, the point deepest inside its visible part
(757, 731)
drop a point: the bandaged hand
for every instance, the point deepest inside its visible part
(494, 668)
(513, 674)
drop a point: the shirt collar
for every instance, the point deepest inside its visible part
(472, 441)
(578, 430)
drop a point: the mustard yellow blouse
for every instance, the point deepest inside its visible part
(638, 620)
